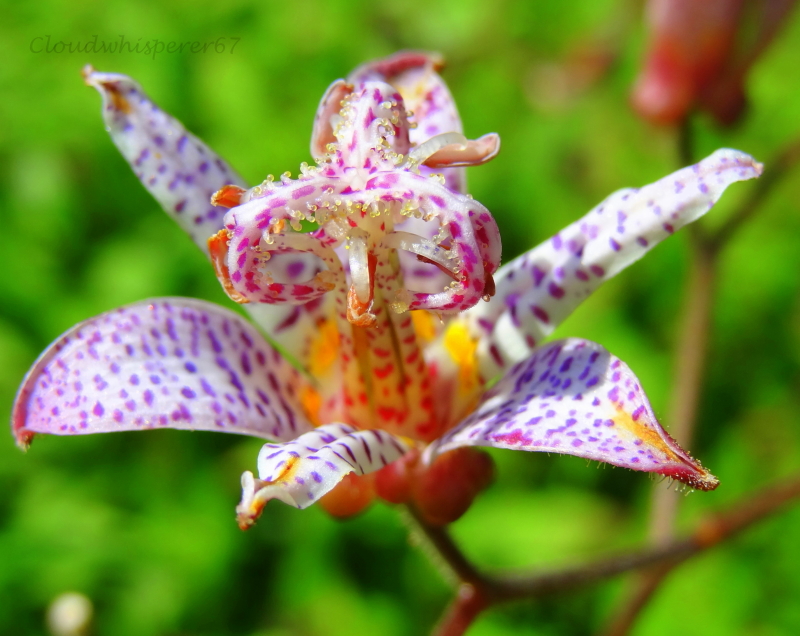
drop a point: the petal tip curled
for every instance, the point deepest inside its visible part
(252, 504)
(86, 73)
(749, 167)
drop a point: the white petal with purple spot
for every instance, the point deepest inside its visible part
(538, 290)
(300, 472)
(574, 397)
(178, 169)
(168, 362)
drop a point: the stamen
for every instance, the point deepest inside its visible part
(228, 196)
(359, 266)
(433, 145)
(362, 272)
(426, 250)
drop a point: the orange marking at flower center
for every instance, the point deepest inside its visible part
(311, 401)
(324, 350)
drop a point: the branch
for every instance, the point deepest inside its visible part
(692, 349)
(483, 591)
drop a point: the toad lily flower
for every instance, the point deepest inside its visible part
(378, 278)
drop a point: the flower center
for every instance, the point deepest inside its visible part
(367, 226)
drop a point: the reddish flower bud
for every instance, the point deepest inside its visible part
(699, 55)
(444, 491)
(393, 483)
(349, 497)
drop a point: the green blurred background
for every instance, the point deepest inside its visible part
(143, 523)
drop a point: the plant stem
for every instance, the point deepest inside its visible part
(687, 380)
(474, 597)
(691, 356)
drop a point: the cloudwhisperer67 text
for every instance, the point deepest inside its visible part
(45, 44)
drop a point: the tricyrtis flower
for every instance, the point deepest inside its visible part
(378, 278)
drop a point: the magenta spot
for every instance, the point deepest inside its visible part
(98, 409)
(555, 291)
(597, 270)
(514, 438)
(304, 191)
(540, 313)
(149, 397)
(295, 269)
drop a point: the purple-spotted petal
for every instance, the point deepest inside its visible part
(574, 397)
(178, 169)
(539, 289)
(169, 362)
(300, 472)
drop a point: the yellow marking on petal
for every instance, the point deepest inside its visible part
(424, 325)
(624, 421)
(288, 470)
(324, 349)
(462, 346)
(695, 477)
(311, 401)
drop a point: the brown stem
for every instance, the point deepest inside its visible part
(711, 531)
(691, 356)
(484, 591)
(687, 383)
(478, 591)
(468, 603)
(447, 551)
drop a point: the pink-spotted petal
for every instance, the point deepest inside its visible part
(300, 472)
(414, 75)
(574, 397)
(538, 290)
(372, 117)
(178, 169)
(168, 362)
(329, 107)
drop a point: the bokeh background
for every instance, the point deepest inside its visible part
(143, 523)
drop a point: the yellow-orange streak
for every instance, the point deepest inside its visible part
(218, 250)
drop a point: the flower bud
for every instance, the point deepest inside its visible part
(444, 490)
(393, 482)
(349, 497)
